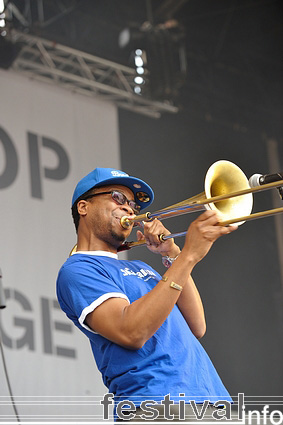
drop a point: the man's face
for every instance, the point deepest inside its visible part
(104, 215)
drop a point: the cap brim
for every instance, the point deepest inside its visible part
(137, 186)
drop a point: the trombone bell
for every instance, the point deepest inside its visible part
(224, 178)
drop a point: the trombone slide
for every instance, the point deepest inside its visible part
(255, 216)
(199, 204)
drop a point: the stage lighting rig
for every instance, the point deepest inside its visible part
(159, 56)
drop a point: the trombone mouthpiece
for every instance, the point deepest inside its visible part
(125, 222)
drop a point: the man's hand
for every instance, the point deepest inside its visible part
(202, 233)
(152, 231)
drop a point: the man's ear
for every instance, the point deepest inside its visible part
(82, 207)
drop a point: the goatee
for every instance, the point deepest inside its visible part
(117, 237)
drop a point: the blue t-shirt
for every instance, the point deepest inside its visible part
(171, 362)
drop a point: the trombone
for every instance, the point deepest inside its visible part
(226, 190)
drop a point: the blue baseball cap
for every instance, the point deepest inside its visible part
(143, 193)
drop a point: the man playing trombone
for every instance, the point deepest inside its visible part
(144, 328)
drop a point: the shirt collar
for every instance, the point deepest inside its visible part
(98, 253)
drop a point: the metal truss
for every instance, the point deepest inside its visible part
(83, 73)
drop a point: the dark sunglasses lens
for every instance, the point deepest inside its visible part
(135, 207)
(119, 198)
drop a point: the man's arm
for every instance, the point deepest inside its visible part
(191, 306)
(189, 301)
(131, 325)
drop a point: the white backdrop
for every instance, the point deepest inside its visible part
(49, 139)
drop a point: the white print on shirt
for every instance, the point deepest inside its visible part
(141, 274)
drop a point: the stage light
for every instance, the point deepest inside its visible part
(124, 38)
(2, 15)
(138, 61)
(159, 56)
(138, 80)
(140, 70)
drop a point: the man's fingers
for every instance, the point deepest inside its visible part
(212, 217)
(231, 228)
(140, 235)
(153, 230)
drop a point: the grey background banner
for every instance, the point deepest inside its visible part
(49, 139)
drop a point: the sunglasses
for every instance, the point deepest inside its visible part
(119, 198)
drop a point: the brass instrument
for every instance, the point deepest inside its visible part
(226, 190)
